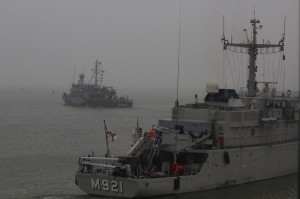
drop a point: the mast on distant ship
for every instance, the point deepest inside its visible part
(96, 71)
(253, 47)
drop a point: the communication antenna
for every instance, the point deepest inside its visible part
(223, 27)
(177, 102)
(283, 57)
(284, 28)
(223, 39)
(253, 16)
(178, 57)
(73, 73)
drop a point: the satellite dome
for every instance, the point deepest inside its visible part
(212, 87)
(81, 76)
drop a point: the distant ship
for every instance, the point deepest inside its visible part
(226, 140)
(85, 94)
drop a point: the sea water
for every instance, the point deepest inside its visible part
(41, 141)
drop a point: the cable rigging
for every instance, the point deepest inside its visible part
(230, 69)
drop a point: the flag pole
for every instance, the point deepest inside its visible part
(105, 131)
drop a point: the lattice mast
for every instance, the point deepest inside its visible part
(253, 47)
(97, 70)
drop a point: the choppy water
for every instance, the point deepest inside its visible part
(41, 140)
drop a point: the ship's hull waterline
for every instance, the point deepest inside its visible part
(246, 165)
(79, 101)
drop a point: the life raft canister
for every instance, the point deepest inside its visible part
(252, 131)
(175, 167)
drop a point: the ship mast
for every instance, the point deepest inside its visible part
(253, 47)
(97, 64)
(96, 71)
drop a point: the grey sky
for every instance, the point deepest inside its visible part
(136, 40)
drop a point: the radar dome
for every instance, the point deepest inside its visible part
(212, 87)
(81, 76)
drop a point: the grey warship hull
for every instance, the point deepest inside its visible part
(82, 101)
(246, 165)
(83, 94)
(222, 141)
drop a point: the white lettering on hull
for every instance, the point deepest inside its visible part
(95, 185)
(106, 185)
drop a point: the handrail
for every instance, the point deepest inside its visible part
(98, 165)
(97, 158)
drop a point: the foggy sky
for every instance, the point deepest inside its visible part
(136, 40)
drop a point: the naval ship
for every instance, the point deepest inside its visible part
(225, 140)
(86, 94)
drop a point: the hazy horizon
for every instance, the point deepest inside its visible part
(137, 42)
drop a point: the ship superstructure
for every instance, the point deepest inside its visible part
(86, 94)
(225, 140)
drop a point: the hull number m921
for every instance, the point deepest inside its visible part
(106, 185)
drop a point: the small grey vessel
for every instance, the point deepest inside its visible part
(226, 140)
(86, 94)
